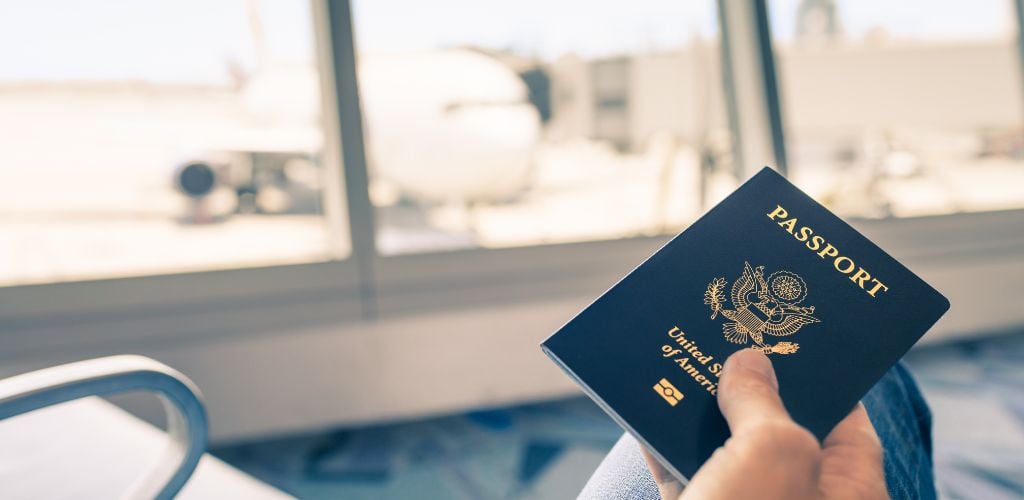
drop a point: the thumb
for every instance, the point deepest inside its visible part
(768, 455)
(748, 393)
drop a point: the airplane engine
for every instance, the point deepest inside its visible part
(195, 179)
(205, 184)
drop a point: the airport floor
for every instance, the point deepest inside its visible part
(548, 450)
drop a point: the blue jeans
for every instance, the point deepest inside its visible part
(896, 407)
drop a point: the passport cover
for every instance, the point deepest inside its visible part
(768, 268)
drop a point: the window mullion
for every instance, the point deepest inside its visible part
(337, 19)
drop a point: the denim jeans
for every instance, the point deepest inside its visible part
(896, 408)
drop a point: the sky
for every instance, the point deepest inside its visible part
(196, 41)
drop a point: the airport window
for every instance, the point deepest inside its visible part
(528, 123)
(564, 137)
(900, 109)
(158, 137)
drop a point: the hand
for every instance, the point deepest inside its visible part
(769, 456)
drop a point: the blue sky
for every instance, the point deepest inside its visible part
(193, 41)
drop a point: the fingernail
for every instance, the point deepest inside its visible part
(755, 361)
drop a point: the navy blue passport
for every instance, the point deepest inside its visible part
(768, 268)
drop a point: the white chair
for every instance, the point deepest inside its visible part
(34, 447)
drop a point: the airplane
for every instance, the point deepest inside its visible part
(442, 126)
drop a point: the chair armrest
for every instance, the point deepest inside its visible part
(186, 416)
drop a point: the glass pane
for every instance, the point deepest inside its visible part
(527, 122)
(160, 137)
(898, 109)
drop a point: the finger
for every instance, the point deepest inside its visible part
(748, 393)
(853, 457)
(668, 485)
(855, 432)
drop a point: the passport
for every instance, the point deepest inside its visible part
(768, 268)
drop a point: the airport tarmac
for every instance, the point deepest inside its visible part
(125, 218)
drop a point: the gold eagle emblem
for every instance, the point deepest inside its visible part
(762, 307)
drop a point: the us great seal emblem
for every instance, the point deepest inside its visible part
(762, 307)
